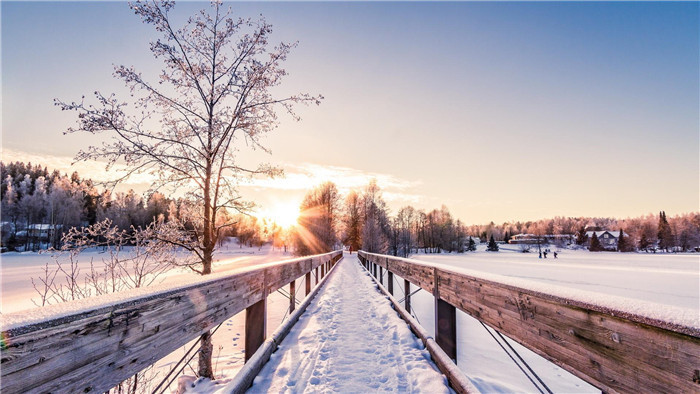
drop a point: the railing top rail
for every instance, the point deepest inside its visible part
(676, 319)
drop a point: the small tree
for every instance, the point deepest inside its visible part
(471, 246)
(492, 246)
(581, 236)
(595, 245)
(644, 242)
(622, 244)
(665, 234)
(506, 237)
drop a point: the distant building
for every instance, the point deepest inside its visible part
(607, 239)
(532, 239)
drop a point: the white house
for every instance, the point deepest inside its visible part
(607, 239)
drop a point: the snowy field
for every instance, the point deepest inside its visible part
(671, 281)
(18, 268)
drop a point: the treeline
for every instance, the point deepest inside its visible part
(363, 221)
(649, 232)
(39, 207)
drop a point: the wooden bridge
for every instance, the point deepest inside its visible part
(94, 350)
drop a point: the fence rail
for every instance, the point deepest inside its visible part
(94, 350)
(613, 350)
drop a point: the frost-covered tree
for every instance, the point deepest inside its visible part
(352, 221)
(318, 220)
(186, 125)
(375, 223)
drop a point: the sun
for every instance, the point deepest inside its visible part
(285, 214)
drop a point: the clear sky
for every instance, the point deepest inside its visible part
(501, 111)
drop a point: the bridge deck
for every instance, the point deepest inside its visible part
(350, 340)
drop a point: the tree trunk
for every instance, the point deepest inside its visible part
(205, 353)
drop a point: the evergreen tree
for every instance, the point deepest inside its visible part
(643, 242)
(622, 243)
(506, 237)
(472, 245)
(493, 246)
(595, 245)
(581, 236)
(665, 235)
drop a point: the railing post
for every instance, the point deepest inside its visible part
(255, 326)
(316, 275)
(390, 278)
(308, 283)
(381, 275)
(407, 293)
(292, 295)
(445, 322)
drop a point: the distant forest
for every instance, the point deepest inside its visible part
(39, 206)
(362, 220)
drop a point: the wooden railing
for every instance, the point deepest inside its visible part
(613, 350)
(94, 350)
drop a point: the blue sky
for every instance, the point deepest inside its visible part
(502, 111)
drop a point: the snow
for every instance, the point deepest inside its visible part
(350, 340)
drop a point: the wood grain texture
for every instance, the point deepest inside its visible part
(95, 350)
(611, 349)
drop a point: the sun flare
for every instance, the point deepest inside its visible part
(285, 214)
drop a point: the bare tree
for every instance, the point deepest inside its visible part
(185, 127)
(352, 221)
(317, 230)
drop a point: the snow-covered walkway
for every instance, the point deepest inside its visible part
(350, 340)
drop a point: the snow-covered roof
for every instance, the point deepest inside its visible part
(598, 234)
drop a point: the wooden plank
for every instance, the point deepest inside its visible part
(613, 350)
(292, 296)
(96, 349)
(307, 282)
(407, 295)
(445, 321)
(390, 279)
(255, 327)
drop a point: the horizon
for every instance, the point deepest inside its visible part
(482, 94)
